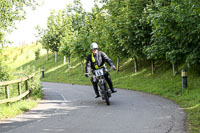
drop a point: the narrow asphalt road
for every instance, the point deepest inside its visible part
(70, 108)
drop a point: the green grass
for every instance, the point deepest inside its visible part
(162, 83)
(16, 108)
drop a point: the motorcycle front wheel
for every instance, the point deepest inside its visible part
(105, 93)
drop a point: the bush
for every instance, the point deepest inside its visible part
(35, 82)
(37, 54)
(15, 57)
(22, 50)
(3, 72)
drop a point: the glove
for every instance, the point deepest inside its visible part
(113, 67)
(87, 74)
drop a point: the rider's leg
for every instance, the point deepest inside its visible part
(94, 83)
(108, 79)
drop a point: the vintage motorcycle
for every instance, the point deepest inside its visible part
(104, 90)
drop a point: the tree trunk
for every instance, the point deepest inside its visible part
(118, 63)
(152, 66)
(82, 67)
(175, 68)
(64, 59)
(56, 56)
(69, 63)
(47, 58)
(135, 64)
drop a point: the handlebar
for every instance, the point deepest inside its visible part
(111, 68)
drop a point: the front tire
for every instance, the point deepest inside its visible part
(107, 99)
(106, 96)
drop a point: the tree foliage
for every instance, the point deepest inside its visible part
(139, 29)
(12, 11)
(175, 35)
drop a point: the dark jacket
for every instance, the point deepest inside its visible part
(100, 59)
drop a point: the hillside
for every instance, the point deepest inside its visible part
(161, 83)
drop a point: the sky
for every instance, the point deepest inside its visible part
(26, 28)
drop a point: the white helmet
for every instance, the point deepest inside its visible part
(93, 45)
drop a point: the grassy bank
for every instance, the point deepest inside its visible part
(13, 59)
(162, 83)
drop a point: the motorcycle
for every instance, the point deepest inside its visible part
(102, 84)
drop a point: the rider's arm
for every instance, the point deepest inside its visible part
(88, 64)
(106, 58)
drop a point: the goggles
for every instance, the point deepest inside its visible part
(94, 49)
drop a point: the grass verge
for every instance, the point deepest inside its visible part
(16, 108)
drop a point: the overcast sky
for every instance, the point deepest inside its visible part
(26, 28)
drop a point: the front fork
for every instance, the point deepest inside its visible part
(104, 88)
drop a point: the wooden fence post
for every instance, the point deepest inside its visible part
(19, 88)
(26, 85)
(32, 83)
(7, 93)
(152, 66)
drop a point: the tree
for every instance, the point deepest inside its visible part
(80, 26)
(132, 31)
(67, 39)
(82, 41)
(12, 11)
(54, 32)
(43, 38)
(103, 32)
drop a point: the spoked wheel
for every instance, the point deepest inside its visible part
(105, 94)
(107, 99)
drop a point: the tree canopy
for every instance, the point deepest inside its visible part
(12, 11)
(139, 29)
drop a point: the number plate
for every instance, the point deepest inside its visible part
(98, 72)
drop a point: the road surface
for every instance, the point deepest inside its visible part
(70, 108)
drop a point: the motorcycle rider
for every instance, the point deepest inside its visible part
(97, 60)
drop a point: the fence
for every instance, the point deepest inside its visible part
(19, 82)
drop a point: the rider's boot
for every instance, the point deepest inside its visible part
(113, 90)
(97, 96)
(96, 91)
(94, 83)
(108, 79)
